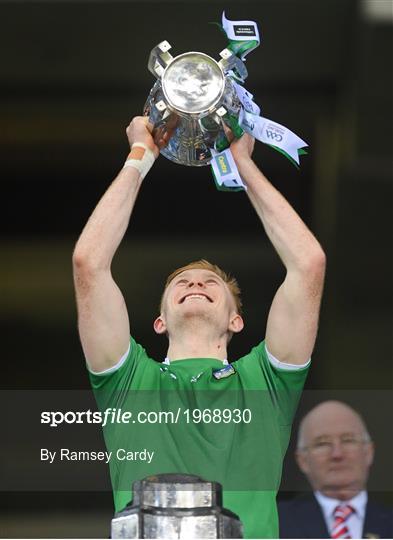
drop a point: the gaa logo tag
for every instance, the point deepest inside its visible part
(274, 133)
(223, 164)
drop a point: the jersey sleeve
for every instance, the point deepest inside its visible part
(283, 386)
(111, 386)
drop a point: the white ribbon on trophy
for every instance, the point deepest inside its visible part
(264, 130)
(272, 133)
(246, 99)
(225, 172)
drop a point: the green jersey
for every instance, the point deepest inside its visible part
(229, 424)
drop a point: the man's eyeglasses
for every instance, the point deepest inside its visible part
(325, 446)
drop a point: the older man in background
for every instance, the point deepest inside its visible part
(335, 452)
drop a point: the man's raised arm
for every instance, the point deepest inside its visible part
(102, 314)
(293, 318)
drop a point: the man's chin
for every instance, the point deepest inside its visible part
(346, 485)
(197, 312)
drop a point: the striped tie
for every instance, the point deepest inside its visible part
(341, 514)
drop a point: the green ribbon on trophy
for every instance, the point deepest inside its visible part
(243, 38)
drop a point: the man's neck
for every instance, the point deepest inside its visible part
(194, 345)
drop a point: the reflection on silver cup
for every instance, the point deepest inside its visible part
(193, 83)
(193, 103)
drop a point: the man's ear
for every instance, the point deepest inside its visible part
(236, 324)
(159, 325)
(370, 449)
(301, 460)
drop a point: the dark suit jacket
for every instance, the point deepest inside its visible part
(302, 517)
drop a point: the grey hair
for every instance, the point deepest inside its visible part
(300, 434)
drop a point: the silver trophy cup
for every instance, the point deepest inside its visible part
(193, 105)
(170, 506)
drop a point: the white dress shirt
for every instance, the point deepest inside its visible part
(354, 522)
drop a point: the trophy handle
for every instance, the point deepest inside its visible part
(159, 59)
(164, 129)
(164, 122)
(229, 61)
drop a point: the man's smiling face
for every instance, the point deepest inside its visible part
(197, 294)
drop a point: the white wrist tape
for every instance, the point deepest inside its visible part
(142, 165)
